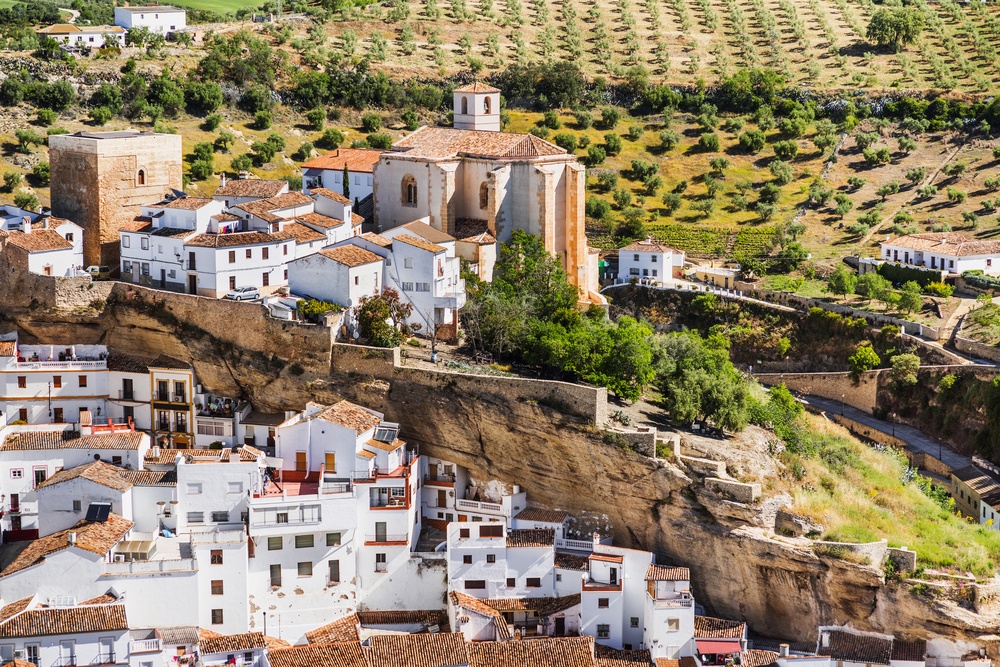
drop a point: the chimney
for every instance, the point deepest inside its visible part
(26, 225)
(71, 537)
(155, 450)
(783, 650)
(222, 180)
(825, 640)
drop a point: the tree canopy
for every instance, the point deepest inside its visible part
(895, 27)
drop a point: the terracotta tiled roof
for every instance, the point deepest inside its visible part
(17, 662)
(758, 658)
(473, 230)
(707, 627)
(126, 363)
(915, 651)
(127, 440)
(418, 242)
(93, 536)
(571, 562)
(530, 537)
(356, 159)
(983, 483)
(608, 558)
(386, 446)
(543, 515)
(150, 477)
(350, 415)
(168, 362)
(443, 142)
(168, 456)
(403, 616)
(140, 223)
(647, 246)
(186, 203)
(330, 194)
(426, 232)
(340, 654)
(287, 200)
(320, 220)
(544, 606)
(230, 240)
(357, 218)
(225, 217)
(7, 348)
(350, 255)
(251, 187)
(342, 630)
(13, 608)
(949, 243)
(179, 635)
(38, 240)
(541, 652)
(65, 621)
(377, 239)
(107, 598)
(609, 657)
(423, 650)
(246, 641)
(851, 647)
(58, 29)
(98, 472)
(299, 232)
(683, 662)
(479, 607)
(172, 232)
(666, 573)
(477, 87)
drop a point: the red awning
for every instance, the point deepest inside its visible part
(716, 646)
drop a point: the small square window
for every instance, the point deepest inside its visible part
(217, 587)
(673, 624)
(216, 558)
(491, 558)
(235, 487)
(305, 569)
(83, 380)
(533, 582)
(467, 559)
(77, 505)
(603, 631)
(303, 541)
(274, 543)
(248, 657)
(333, 539)
(511, 582)
(634, 622)
(217, 617)
(220, 517)
(17, 473)
(463, 533)
(602, 603)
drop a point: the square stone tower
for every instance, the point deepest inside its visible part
(477, 107)
(100, 180)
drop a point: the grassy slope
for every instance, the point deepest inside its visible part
(857, 494)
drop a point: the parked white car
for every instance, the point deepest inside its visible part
(244, 294)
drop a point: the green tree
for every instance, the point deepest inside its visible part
(332, 138)
(26, 200)
(41, 172)
(863, 359)
(316, 118)
(382, 318)
(669, 139)
(842, 281)
(895, 27)
(872, 286)
(709, 142)
(909, 297)
(11, 179)
(752, 141)
(612, 143)
(904, 368)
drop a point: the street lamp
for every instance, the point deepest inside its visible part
(842, 404)
(894, 424)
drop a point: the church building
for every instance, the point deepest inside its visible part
(475, 177)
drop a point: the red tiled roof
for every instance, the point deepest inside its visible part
(138, 224)
(357, 160)
(32, 441)
(377, 239)
(477, 87)
(571, 562)
(424, 650)
(647, 246)
(544, 606)
(351, 416)
(683, 662)
(757, 658)
(443, 142)
(665, 573)
(98, 472)
(707, 627)
(93, 536)
(7, 348)
(350, 255)
(43, 621)
(251, 187)
(342, 630)
(852, 647)
(530, 537)
(403, 616)
(947, 243)
(38, 240)
(186, 203)
(542, 515)
(246, 641)
(426, 232)
(231, 240)
(473, 230)
(540, 652)
(417, 242)
(330, 194)
(299, 232)
(338, 654)
(915, 651)
(319, 220)
(609, 657)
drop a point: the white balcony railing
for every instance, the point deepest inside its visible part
(62, 365)
(151, 566)
(477, 506)
(575, 545)
(144, 646)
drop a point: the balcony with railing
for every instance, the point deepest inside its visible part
(65, 661)
(168, 397)
(145, 646)
(445, 479)
(387, 539)
(104, 659)
(151, 566)
(671, 603)
(479, 506)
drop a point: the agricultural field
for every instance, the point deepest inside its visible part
(815, 44)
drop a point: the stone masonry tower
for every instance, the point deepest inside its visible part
(100, 180)
(477, 107)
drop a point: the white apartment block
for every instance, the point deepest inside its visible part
(161, 19)
(951, 252)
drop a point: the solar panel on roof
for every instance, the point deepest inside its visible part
(98, 512)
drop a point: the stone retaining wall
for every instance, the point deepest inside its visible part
(589, 403)
(977, 349)
(706, 467)
(905, 559)
(834, 386)
(642, 440)
(744, 493)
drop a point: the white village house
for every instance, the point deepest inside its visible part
(42, 244)
(327, 171)
(160, 19)
(649, 262)
(951, 252)
(84, 36)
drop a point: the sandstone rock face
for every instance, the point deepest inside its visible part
(740, 568)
